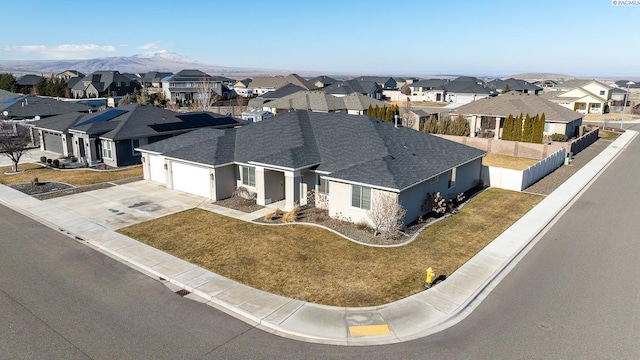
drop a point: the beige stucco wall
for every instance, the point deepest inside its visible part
(340, 203)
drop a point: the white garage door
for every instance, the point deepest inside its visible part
(156, 168)
(191, 179)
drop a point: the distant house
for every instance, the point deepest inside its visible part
(348, 162)
(486, 116)
(68, 74)
(111, 136)
(517, 85)
(261, 85)
(184, 86)
(322, 81)
(27, 84)
(255, 115)
(367, 88)
(318, 101)
(586, 96)
(461, 90)
(102, 84)
(386, 82)
(260, 101)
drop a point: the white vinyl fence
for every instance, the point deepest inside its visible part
(518, 180)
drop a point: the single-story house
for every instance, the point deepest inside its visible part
(340, 162)
(318, 101)
(255, 115)
(511, 84)
(416, 117)
(486, 116)
(111, 136)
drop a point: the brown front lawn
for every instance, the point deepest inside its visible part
(79, 177)
(309, 263)
(508, 162)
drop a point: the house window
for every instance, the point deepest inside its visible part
(248, 176)
(601, 92)
(452, 179)
(107, 149)
(135, 143)
(323, 186)
(433, 179)
(361, 197)
(548, 127)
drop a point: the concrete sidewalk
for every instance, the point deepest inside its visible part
(410, 318)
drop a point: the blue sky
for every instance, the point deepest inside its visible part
(576, 37)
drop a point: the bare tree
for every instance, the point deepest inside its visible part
(14, 141)
(405, 111)
(205, 95)
(387, 215)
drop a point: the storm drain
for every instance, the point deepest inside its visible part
(183, 292)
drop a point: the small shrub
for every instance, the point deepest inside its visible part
(559, 137)
(35, 182)
(362, 225)
(49, 161)
(86, 164)
(74, 159)
(43, 159)
(56, 163)
(291, 215)
(62, 166)
(104, 166)
(268, 217)
(277, 213)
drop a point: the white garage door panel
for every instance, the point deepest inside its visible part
(156, 169)
(191, 179)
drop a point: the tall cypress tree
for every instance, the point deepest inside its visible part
(507, 130)
(370, 110)
(376, 112)
(517, 128)
(538, 129)
(527, 130)
(431, 125)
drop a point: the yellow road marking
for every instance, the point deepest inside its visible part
(367, 330)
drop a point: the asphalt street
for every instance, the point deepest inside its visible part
(573, 295)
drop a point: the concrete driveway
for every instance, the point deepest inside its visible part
(123, 205)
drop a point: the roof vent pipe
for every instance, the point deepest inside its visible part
(396, 118)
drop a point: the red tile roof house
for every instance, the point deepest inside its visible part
(346, 159)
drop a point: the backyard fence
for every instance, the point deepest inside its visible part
(518, 180)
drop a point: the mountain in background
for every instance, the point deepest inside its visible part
(156, 61)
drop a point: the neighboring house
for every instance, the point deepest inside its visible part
(255, 115)
(260, 101)
(346, 161)
(27, 83)
(102, 84)
(586, 96)
(487, 116)
(260, 85)
(7, 98)
(517, 85)
(31, 107)
(545, 83)
(386, 82)
(110, 136)
(461, 90)
(318, 101)
(68, 74)
(416, 117)
(367, 88)
(184, 86)
(322, 81)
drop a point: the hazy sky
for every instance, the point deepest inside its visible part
(577, 37)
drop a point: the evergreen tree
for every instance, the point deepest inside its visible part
(376, 112)
(538, 129)
(370, 110)
(507, 130)
(527, 130)
(443, 125)
(506, 88)
(431, 125)
(41, 86)
(8, 82)
(517, 128)
(389, 114)
(459, 126)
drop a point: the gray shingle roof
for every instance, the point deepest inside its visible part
(514, 103)
(320, 101)
(30, 106)
(351, 148)
(60, 123)
(514, 84)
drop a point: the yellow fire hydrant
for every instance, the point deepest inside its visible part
(429, 280)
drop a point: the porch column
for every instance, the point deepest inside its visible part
(474, 125)
(292, 189)
(260, 187)
(496, 134)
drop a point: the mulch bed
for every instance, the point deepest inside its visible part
(240, 204)
(43, 187)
